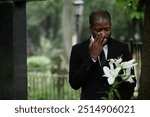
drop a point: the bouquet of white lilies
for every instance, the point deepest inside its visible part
(116, 69)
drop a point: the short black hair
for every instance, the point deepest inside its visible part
(95, 15)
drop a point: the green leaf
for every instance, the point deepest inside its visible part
(117, 93)
(111, 95)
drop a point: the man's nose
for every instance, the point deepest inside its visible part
(103, 33)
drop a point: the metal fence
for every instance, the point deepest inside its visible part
(43, 86)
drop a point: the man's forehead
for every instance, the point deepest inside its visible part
(101, 21)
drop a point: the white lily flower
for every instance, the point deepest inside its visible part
(111, 73)
(127, 73)
(112, 61)
(128, 64)
(130, 79)
(116, 61)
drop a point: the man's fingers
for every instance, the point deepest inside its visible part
(97, 39)
(102, 40)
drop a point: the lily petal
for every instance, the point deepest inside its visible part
(111, 80)
(128, 64)
(106, 71)
(130, 79)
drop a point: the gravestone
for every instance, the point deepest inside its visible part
(13, 69)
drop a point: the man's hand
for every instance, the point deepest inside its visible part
(96, 46)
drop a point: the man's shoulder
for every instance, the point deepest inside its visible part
(117, 42)
(82, 44)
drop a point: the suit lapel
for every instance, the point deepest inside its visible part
(85, 49)
(111, 49)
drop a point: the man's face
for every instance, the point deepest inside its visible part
(102, 27)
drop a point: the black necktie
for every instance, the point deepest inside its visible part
(102, 58)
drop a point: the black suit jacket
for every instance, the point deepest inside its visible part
(87, 75)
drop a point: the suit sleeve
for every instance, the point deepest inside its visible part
(126, 89)
(78, 69)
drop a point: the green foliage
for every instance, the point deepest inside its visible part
(132, 8)
(49, 55)
(43, 19)
(38, 61)
(55, 52)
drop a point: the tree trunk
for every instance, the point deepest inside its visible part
(144, 90)
(67, 25)
(70, 24)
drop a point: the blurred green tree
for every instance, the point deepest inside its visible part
(43, 19)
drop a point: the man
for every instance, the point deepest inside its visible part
(87, 61)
